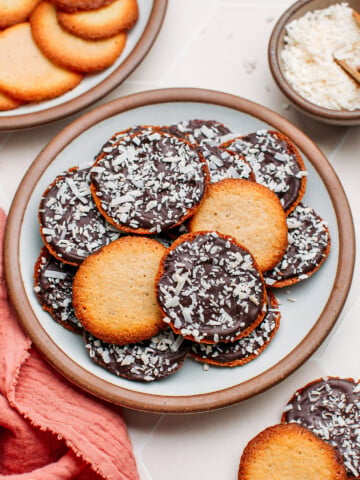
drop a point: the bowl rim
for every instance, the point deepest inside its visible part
(127, 66)
(344, 116)
(199, 402)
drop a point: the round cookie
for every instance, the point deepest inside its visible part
(25, 72)
(200, 131)
(226, 164)
(15, 11)
(153, 359)
(71, 226)
(74, 5)
(8, 103)
(53, 288)
(68, 50)
(249, 212)
(289, 452)
(113, 291)
(103, 22)
(149, 182)
(308, 248)
(276, 162)
(210, 288)
(247, 348)
(330, 407)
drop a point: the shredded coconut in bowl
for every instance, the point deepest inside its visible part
(311, 42)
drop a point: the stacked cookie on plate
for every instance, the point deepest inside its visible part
(165, 246)
(317, 439)
(46, 47)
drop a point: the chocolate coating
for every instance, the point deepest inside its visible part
(210, 289)
(149, 182)
(247, 348)
(145, 361)
(70, 224)
(309, 243)
(53, 288)
(329, 407)
(275, 162)
(200, 131)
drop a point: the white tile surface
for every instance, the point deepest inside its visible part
(221, 45)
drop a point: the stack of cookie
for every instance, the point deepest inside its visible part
(46, 47)
(167, 244)
(317, 439)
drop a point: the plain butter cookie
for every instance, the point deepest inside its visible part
(113, 291)
(103, 22)
(289, 452)
(68, 50)
(15, 11)
(74, 5)
(26, 73)
(249, 212)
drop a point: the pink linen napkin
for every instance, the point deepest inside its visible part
(50, 429)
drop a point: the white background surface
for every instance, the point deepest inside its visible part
(220, 45)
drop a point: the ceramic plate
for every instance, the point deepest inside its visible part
(95, 86)
(309, 310)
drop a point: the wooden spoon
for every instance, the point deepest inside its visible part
(354, 74)
(356, 16)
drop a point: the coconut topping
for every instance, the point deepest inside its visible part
(145, 361)
(70, 223)
(223, 164)
(308, 241)
(243, 350)
(210, 288)
(53, 288)
(274, 162)
(198, 131)
(150, 181)
(329, 407)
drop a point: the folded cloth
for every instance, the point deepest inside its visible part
(50, 429)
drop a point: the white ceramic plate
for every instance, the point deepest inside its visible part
(94, 86)
(309, 310)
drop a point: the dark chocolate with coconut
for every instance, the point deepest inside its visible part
(70, 224)
(53, 281)
(224, 164)
(200, 131)
(275, 162)
(247, 348)
(149, 182)
(210, 288)
(145, 361)
(329, 407)
(308, 247)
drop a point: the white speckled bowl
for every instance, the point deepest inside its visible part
(297, 10)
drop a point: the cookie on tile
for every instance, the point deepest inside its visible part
(103, 22)
(210, 288)
(246, 349)
(249, 212)
(71, 226)
(29, 75)
(15, 11)
(289, 452)
(68, 50)
(308, 248)
(153, 359)
(53, 288)
(149, 182)
(113, 291)
(75, 5)
(330, 408)
(276, 162)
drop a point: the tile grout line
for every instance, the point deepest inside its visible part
(140, 449)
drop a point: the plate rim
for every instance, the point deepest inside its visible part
(136, 55)
(205, 401)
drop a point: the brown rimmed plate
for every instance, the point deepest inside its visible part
(94, 87)
(309, 309)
